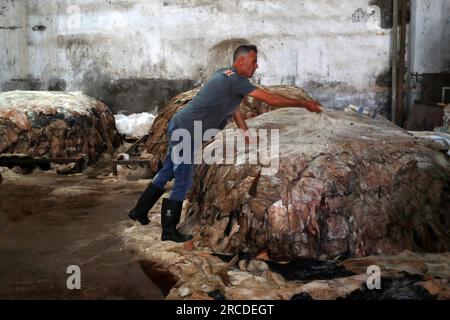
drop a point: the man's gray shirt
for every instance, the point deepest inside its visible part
(216, 101)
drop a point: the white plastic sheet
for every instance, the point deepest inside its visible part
(135, 125)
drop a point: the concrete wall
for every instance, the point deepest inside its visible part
(137, 54)
(430, 34)
(430, 39)
(14, 67)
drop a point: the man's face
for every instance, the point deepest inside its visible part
(248, 64)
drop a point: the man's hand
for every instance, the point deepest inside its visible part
(313, 106)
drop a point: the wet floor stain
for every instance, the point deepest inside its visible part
(304, 269)
(48, 223)
(164, 280)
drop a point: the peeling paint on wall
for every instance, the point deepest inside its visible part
(330, 92)
(384, 79)
(220, 55)
(132, 95)
(39, 28)
(56, 84)
(387, 7)
(10, 28)
(22, 84)
(361, 15)
(3, 8)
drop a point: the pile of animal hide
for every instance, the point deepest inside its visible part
(337, 184)
(56, 125)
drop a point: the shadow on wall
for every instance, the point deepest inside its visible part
(133, 95)
(126, 95)
(30, 84)
(338, 95)
(386, 7)
(221, 55)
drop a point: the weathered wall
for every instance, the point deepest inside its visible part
(430, 36)
(14, 66)
(136, 54)
(430, 39)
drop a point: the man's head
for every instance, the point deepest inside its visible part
(246, 60)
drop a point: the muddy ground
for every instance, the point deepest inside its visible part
(49, 222)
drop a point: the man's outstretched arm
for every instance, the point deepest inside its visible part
(282, 101)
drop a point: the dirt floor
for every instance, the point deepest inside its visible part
(49, 222)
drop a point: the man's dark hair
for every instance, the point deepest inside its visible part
(243, 50)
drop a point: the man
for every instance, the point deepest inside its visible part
(216, 102)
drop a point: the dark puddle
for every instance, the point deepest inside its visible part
(217, 295)
(302, 297)
(164, 280)
(309, 270)
(301, 269)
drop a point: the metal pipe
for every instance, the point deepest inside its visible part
(401, 66)
(394, 60)
(413, 75)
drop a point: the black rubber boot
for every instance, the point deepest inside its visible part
(147, 200)
(170, 217)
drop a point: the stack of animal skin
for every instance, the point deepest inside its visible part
(55, 125)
